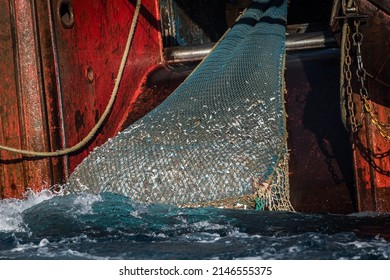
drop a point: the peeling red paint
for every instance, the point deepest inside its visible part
(59, 77)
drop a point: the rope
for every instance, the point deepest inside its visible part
(106, 112)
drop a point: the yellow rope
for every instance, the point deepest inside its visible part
(103, 117)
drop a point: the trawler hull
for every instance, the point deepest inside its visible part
(60, 58)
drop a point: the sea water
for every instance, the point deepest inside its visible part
(109, 226)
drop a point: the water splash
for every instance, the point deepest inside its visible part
(109, 226)
(11, 210)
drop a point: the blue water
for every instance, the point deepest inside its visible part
(108, 226)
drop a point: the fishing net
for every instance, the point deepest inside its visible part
(219, 137)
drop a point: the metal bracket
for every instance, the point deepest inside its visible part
(349, 13)
(351, 16)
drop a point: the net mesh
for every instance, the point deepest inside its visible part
(219, 136)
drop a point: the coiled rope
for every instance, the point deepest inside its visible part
(106, 112)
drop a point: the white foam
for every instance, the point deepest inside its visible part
(139, 211)
(83, 238)
(24, 247)
(11, 209)
(206, 225)
(73, 253)
(83, 203)
(44, 242)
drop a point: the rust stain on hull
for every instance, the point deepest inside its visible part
(372, 150)
(59, 60)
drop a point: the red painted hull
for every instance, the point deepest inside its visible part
(59, 61)
(372, 150)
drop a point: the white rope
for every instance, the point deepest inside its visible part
(106, 112)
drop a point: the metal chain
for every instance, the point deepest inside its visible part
(370, 157)
(361, 74)
(382, 127)
(348, 77)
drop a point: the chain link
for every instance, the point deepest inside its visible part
(361, 74)
(372, 157)
(348, 77)
(382, 127)
(366, 110)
